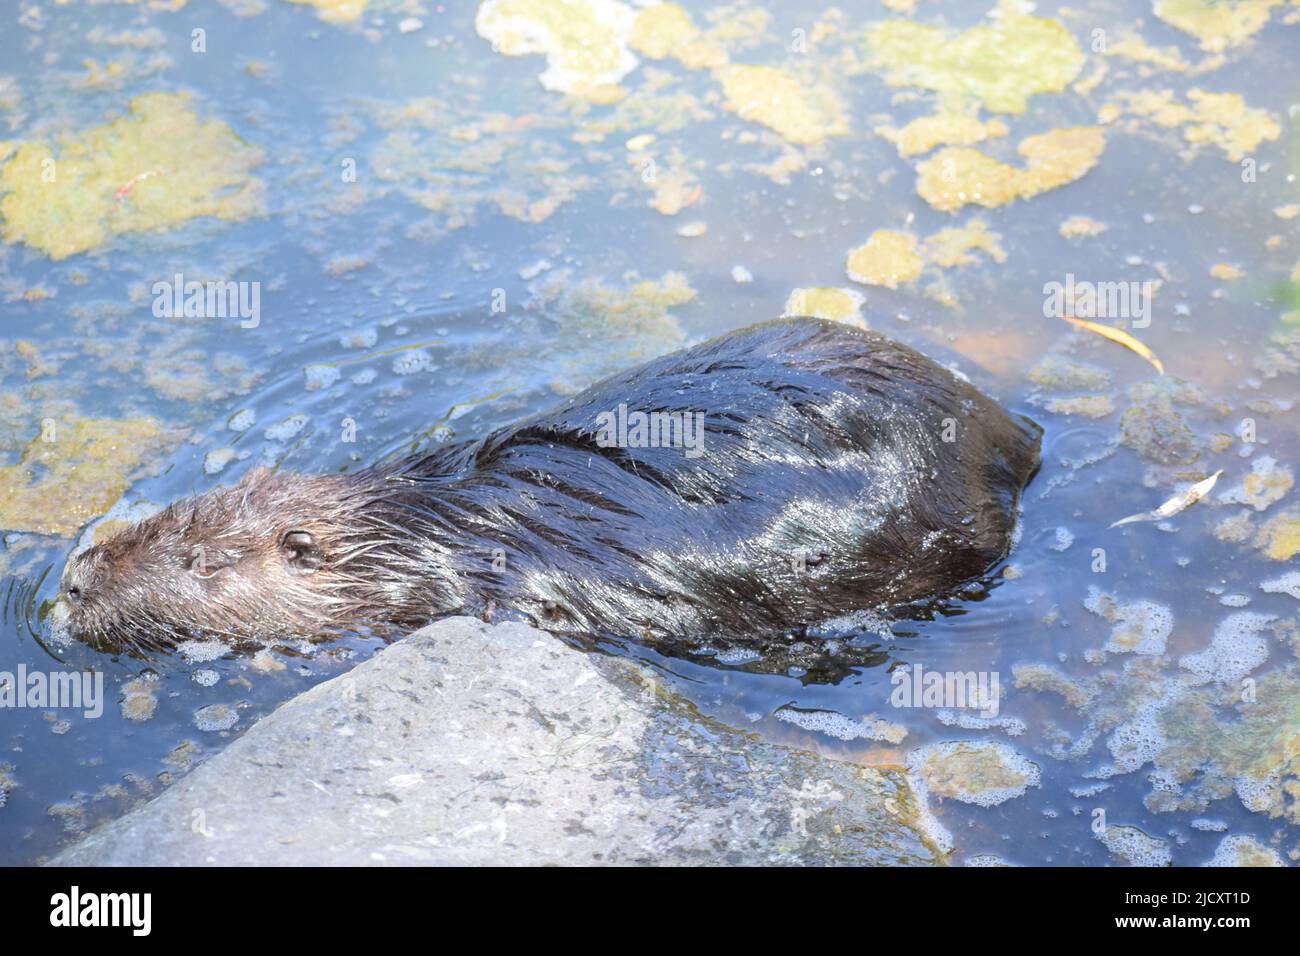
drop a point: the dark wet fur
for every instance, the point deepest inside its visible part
(821, 442)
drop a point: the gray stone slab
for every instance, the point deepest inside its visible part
(474, 744)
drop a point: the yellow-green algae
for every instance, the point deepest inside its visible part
(799, 112)
(154, 168)
(1000, 65)
(1218, 24)
(1218, 119)
(825, 302)
(585, 41)
(941, 129)
(665, 29)
(337, 11)
(888, 258)
(957, 175)
(452, 163)
(79, 474)
(984, 773)
(1279, 538)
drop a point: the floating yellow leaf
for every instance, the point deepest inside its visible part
(1120, 336)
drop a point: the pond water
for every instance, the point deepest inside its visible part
(444, 232)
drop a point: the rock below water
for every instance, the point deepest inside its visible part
(474, 744)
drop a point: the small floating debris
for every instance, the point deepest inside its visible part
(1120, 336)
(1177, 503)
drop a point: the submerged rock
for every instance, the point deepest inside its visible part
(476, 744)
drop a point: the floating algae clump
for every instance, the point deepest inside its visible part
(1000, 65)
(152, 169)
(958, 175)
(890, 258)
(887, 258)
(942, 129)
(665, 29)
(1280, 538)
(985, 773)
(953, 246)
(1218, 24)
(1242, 850)
(83, 470)
(1216, 119)
(585, 41)
(775, 98)
(337, 11)
(821, 302)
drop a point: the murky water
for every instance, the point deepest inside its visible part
(440, 246)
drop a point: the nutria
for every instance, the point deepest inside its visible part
(835, 470)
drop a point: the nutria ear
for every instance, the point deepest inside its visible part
(301, 552)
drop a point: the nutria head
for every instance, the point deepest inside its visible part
(271, 557)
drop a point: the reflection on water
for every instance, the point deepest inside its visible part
(441, 245)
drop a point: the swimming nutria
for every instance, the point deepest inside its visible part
(836, 470)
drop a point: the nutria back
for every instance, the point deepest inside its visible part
(740, 490)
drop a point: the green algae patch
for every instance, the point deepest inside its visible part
(888, 258)
(984, 773)
(153, 169)
(337, 11)
(1217, 24)
(941, 129)
(1212, 119)
(800, 113)
(452, 164)
(585, 41)
(633, 321)
(665, 30)
(999, 65)
(79, 474)
(1242, 850)
(958, 175)
(823, 302)
(1279, 538)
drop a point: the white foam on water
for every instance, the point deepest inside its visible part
(1236, 649)
(837, 725)
(1288, 583)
